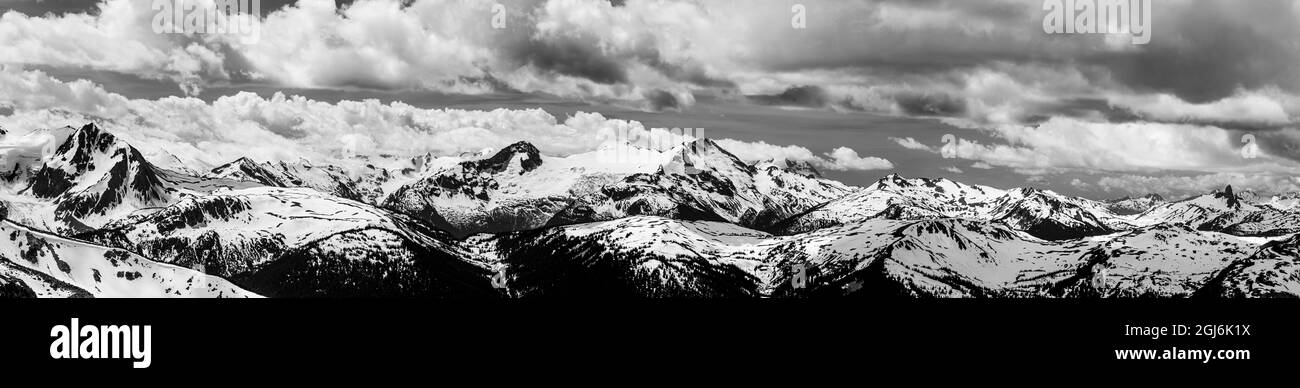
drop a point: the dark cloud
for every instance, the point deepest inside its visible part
(1209, 49)
(41, 7)
(802, 96)
(62, 7)
(574, 58)
(660, 100)
(930, 104)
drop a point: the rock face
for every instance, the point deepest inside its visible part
(93, 177)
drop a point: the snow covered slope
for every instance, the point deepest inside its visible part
(1226, 212)
(1042, 213)
(52, 266)
(366, 186)
(653, 257)
(234, 231)
(1273, 271)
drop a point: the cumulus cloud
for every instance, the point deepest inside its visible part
(1072, 144)
(197, 134)
(911, 144)
(1201, 184)
(988, 60)
(1269, 107)
(845, 158)
(839, 159)
(1214, 70)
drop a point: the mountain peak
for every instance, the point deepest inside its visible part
(238, 164)
(532, 158)
(701, 145)
(893, 180)
(802, 168)
(1228, 196)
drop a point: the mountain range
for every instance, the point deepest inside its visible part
(94, 218)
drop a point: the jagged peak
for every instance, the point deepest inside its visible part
(1228, 196)
(532, 158)
(522, 147)
(701, 145)
(241, 164)
(898, 180)
(802, 168)
(92, 131)
(893, 179)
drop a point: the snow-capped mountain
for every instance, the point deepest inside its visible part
(689, 221)
(1284, 202)
(1160, 261)
(1226, 212)
(518, 188)
(1042, 213)
(654, 256)
(39, 264)
(93, 177)
(1127, 206)
(262, 236)
(365, 187)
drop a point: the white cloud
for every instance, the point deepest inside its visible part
(845, 158)
(1263, 107)
(283, 127)
(912, 144)
(1201, 184)
(840, 159)
(953, 169)
(1065, 143)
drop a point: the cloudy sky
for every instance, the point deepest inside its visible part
(865, 89)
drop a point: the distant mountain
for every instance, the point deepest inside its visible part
(331, 180)
(654, 257)
(1046, 215)
(518, 188)
(1224, 211)
(1284, 202)
(1130, 206)
(1042, 213)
